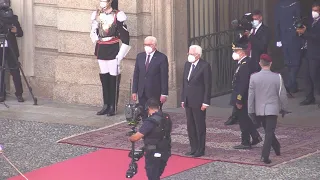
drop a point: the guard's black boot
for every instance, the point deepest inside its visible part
(104, 78)
(112, 95)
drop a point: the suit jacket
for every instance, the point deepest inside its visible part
(312, 35)
(12, 37)
(240, 83)
(154, 81)
(259, 43)
(267, 94)
(197, 90)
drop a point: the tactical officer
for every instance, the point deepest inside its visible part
(239, 97)
(155, 131)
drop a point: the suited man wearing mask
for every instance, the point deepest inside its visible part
(259, 39)
(311, 33)
(239, 97)
(195, 98)
(151, 73)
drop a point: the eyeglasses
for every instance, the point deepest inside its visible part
(148, 44)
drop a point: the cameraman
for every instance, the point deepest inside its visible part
(311, 34)
(11, 27)
(155, 131)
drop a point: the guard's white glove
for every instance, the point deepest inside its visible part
(279, 44)
(124, 49)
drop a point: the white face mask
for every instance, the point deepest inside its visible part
(235, 56)
(255, 23)
(148, 49)
(103, 4)
(315, 14)
(191, 58)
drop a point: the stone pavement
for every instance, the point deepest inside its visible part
(29, 134)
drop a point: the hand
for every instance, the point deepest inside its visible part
(246, 33)
(163, 99)
(239, 106)
(182, 105)
(252, 116)
(14, 29)
(134, 96)
(203, 108)
(301, 30)
(284, 112)
(279, 44)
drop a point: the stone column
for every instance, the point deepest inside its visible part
(162, 29)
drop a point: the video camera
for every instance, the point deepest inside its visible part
(133, 113)
(243, 24)
(298, 22)
(6, 15)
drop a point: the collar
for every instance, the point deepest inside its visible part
(257, 27)
(317, 19)
(195, 63)
(240, 61)
(151, 54)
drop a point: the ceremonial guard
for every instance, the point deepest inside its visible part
(239, 97)
(108, 28)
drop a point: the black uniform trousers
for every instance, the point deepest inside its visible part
(196, 127)
(155, 165)
(109, 88)
(312, 77)
(246, 126)
(269, 124)
(11, 62)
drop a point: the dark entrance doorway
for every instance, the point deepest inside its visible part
(209, 24)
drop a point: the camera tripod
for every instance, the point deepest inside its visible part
(3, 38)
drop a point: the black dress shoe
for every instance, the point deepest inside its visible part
(231, 121)
(256, 141)
(266, 160)
(111, 111)
(308, 102)
(20, 99)
(242, 146)
(198, 154)
(190, 153)
(104, 110)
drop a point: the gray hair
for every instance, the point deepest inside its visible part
(152, 39)
(197, 48)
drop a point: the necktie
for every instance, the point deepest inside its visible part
(314, 22)
(147, 63)
(192, 68)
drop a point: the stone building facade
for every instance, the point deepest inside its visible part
(57, 53)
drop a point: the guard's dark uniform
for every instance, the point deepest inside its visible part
(106, 32)
(157, 140)
(239, 96)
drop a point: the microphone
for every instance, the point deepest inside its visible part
(235, 23)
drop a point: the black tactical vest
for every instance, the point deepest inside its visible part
(159, 137)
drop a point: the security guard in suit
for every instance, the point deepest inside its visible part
(155, 131)
(239, 97)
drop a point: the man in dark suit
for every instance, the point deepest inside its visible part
(312, 35)
(195, 98)
(150, 78)
(11, 56)
(259, 39)
(239, 97)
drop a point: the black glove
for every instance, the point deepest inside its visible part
(252, 116)
(284, 112)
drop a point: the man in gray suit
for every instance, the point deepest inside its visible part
(267, 97)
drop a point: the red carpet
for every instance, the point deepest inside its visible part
(107, 164)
